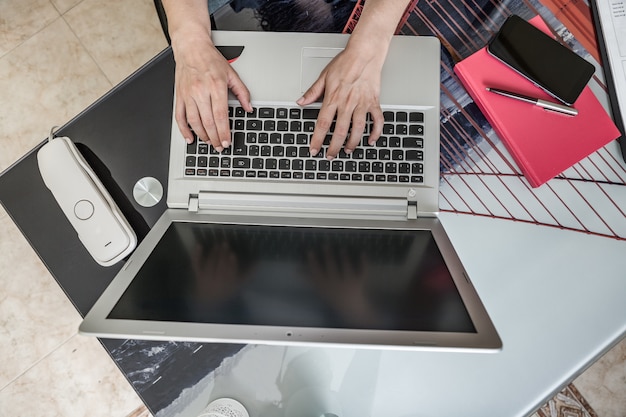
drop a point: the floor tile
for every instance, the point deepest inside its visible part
(49, 79)
(76, 380)
(29, 297)
(121, 35)
(21, 19)
(64, 5)
(604, 384)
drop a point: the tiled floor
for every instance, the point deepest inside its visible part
(57, 57)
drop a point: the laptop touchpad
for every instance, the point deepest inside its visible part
(314, 60)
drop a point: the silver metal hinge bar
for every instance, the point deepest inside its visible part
(259, 203)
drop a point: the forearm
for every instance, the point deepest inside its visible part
(377, 25)
(188, 21)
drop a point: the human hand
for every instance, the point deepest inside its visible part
(350, 84)
(203, 78)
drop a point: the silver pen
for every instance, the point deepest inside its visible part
(548, 105)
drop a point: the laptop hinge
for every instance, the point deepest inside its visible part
(258, 203)
(193, 204)
(411, 201)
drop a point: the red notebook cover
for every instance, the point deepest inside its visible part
(543, 143)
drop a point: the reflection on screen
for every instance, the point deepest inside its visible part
(296, 277)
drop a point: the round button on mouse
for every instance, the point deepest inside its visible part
(83, 209)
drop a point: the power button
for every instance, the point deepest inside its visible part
(83, 209)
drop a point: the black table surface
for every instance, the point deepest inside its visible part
(124, 136)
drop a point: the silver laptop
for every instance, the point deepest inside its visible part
(266, 244)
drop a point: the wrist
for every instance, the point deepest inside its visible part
(368, 48)
(189, 39)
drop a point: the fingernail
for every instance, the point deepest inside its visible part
(314, 152)
(300, 100)
(348, 151)
(219, 149)
(189, 140)
(225, 144)
(330, 157)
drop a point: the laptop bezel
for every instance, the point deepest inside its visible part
(96, 322)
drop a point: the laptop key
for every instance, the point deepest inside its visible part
(302, 139)
(266, 112)
(411, 142)
(278, 151)
(294, 113)
(271, 163)
(284, 164)
(242, 163)
(297, 164)
(337, 165)
(257, 163)
(269, 125)
(413, 155)
(416, 130)
(310, 114)
(416, 117)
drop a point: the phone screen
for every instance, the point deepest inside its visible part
(541, 59)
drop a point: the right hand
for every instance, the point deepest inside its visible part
(203, 78)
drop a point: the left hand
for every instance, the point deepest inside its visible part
(350, 84)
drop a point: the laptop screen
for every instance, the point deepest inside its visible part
(296, 276)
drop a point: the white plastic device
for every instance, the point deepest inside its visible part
(100, 225)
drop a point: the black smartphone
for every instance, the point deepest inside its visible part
(541, 59)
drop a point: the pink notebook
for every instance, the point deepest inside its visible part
(542, 142)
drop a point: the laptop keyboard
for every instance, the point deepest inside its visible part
(272, 142)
